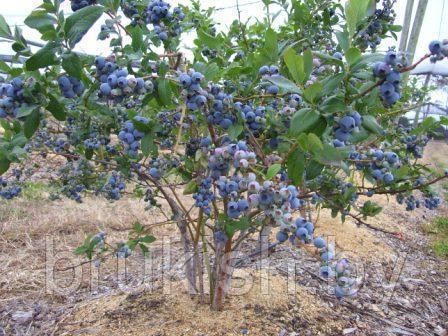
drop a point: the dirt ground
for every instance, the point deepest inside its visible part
(403, 290)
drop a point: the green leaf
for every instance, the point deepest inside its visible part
(4, 164)
(4, 67)
(80, 250)
(137, 38)
(295, 64)
(313, 169)
(138, 227)
(271, 45)
(79, 23)
(331, 156)
(355, 10)
(273, 170)
(366, 60)
(395, 28)
(313, 91)
(25, 110)
(328, 59)
(31, 123)
(369, 123)
(71, 63)
(164, 91)
(213, 42)
(342, 37)
(88, 153)
(209, 70)
(295, 165)
(353, 55)
(314, 143)
(148, 145)
(307, 64)
(190, 188)
(370, 208)
(147, 239)
(285, 84)
(234, 131)
(40, 20)
(43, 57)
(240, 225)
(56, 108)
(401, 172)
(303, 120)
(426, 125)
(332, 83)
(4, 28)
(144, 249)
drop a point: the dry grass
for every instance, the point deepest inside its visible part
(159, 314)
(28, 225)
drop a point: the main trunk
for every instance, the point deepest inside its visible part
(223, 274)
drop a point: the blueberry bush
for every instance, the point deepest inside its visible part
(258, 126)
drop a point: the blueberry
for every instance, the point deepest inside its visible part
(154, 172)
(341, 135)
(391, 58)
(381, 69)
(388, 178)
(263, 70)
(197, 77)
(319, 242)
(347, 124)
(302, 233)
(435, 47)
(105, 89)
(387, 89)
(273, 89)
(64, 83)
(337, 55)
(282, 236)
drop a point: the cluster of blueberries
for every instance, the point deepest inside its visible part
(130, 10)
(167, 122)
(303, 230)
(8, 192)
(371, 35)
(165, 23)
(204, 196)
(221, 159)
(79, 4)
(73, 176)
(220, 109)
(345, 127)
(431, 202)
(290, 105)
(70, 86)
(300, 229)
(255, 118)
(438, 50)
(194, 95)
(131, 136)
(11, 97)
(123, 250)
(415, 144)
(116, 83)
(378, 163)
(58, 145)
(114, 186)
(386, 70)
(159, 165)
(270, 71)
(93, 142)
